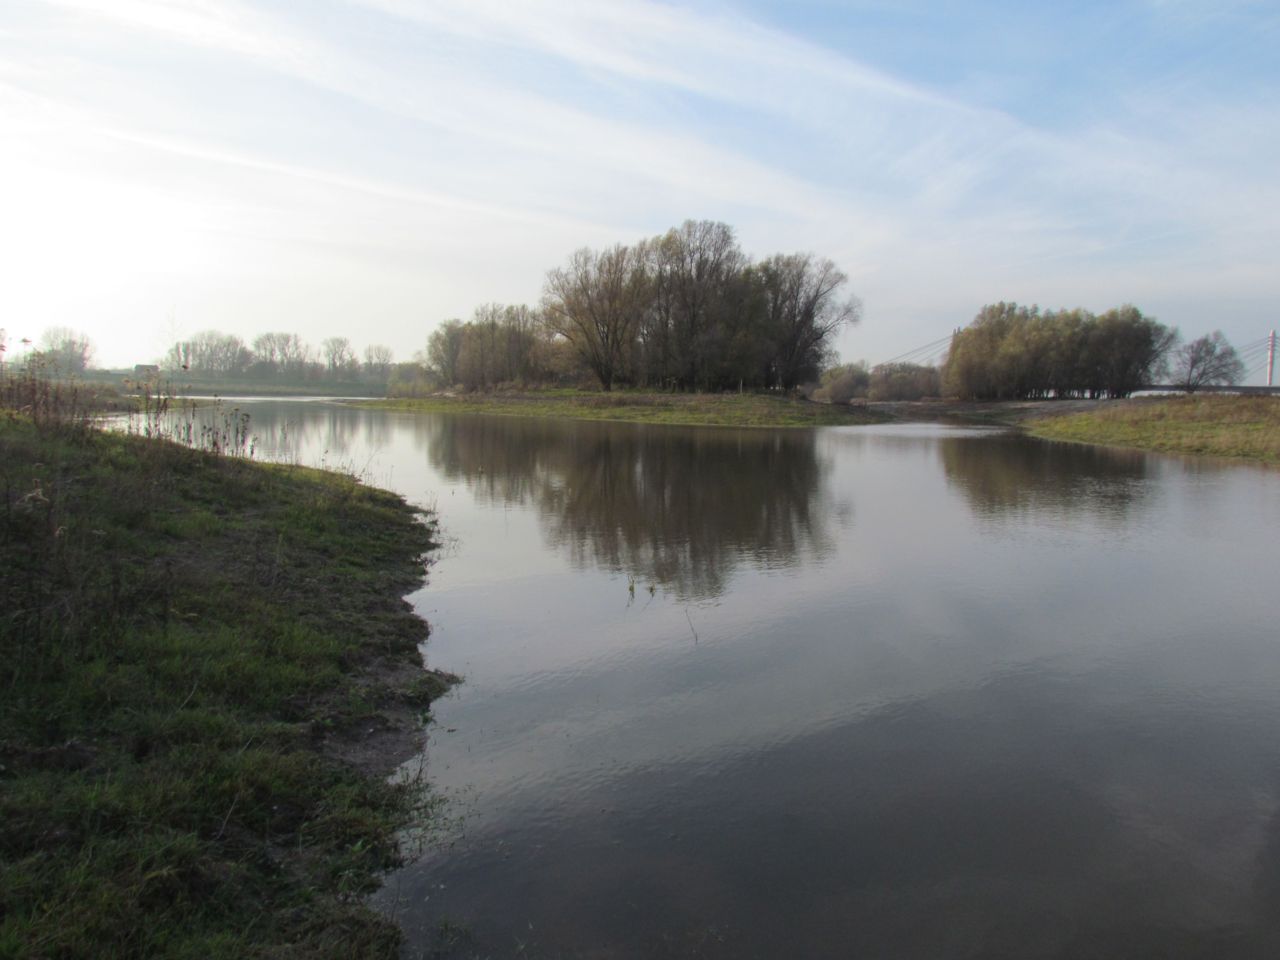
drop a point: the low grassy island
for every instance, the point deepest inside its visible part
(685, 409)
(1240, 427)
(208, 671)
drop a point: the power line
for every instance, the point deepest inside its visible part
(1257, 369)
(918, 351)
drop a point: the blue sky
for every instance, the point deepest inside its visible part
(368, 168)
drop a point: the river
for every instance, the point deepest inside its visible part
(911, 690)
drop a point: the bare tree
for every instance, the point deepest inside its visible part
(802, 313)
(443, 349)
(596, 303)
(68, 350)
(697, 265)
(295, 353)
(269, 349)
(520, 328)
(377, 360)
(210, 353)
(481, 359)
(338, 355)
(1208, 360)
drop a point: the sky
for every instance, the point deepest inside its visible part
(370, 168)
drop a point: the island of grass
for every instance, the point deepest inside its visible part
(685, 409)
(1239, 427)
(208, 671)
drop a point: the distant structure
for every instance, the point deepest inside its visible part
(146, 371)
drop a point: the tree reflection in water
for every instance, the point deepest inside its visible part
(1015, 475)
(285, 430)
(676, 507)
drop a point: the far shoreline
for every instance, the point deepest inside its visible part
(1242, 427)
(627, 406)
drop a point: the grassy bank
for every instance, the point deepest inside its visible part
(207, 671)
(726, 410)
(187, 386)
(1241, 427)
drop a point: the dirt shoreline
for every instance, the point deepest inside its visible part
(1009, 412)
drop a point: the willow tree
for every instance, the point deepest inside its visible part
(1132, 351)
(803, 312)
(596, 302)
(1013, 352)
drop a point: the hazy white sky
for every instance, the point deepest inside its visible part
(368, 168)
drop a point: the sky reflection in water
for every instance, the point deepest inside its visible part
(900, 691)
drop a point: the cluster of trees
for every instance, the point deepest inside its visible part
(886, 381)
(276, 356)
(1015, 352)
(62, 349)
(686, 310)
(500, 344)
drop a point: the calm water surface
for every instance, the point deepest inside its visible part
(902, 691)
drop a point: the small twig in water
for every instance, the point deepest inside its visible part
(690, 619)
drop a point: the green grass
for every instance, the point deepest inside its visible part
(1241, 427)
(188, 650)
(709, 409)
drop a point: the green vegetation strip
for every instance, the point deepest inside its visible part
(723, 410)
(1220, 426)
(193, 653)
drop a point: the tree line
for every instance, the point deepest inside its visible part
(275, 356)
(686, 310)
(214, 355)
(1014, 352)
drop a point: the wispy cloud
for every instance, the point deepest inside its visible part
(217, 24)
(535, 127)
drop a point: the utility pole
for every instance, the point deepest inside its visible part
(1271, 357)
